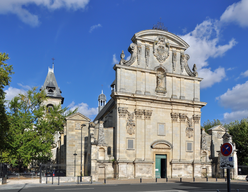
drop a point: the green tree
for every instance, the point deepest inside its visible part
(239, 132)
(209, 124)
(5, 78)
(32, 127)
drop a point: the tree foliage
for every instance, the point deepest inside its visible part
(32, 127)
(209, 124)
(239, 132)
(5, 78)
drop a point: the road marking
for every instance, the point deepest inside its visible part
(75, 189)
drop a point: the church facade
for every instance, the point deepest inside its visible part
(150, 127)
(153, 115)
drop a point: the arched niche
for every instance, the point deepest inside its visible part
(101, 154)
(161, 144)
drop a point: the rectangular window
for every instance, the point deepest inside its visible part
(189, 146)
(130, 144)
(161, 129)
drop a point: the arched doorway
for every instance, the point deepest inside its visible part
(161, 150)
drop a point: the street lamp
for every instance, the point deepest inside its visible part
(83, 125)
(75, 154)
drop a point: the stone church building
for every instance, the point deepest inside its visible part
(150, 127)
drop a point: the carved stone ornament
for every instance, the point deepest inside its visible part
(101, 137)
(174, 60)
(189, 132)
(161, 49)
(130, 124)
(190, 121)
(194, 70)
(138, 113)
(133, 50)
(160, 76)
(147, 114)
(174, 116)
(147, 54)
(204, 140)
(122, 111)
(196, 119)
(184, 61)
(139, 48)
(182, 117)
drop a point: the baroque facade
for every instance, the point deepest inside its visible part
(154, 111)
(150, 127)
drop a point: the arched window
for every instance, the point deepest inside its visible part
(49, 107)
(109, 150)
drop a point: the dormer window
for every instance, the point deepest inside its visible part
(50, 89)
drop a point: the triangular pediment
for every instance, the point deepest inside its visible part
(151, 36)
(78, 116)
(218, 128)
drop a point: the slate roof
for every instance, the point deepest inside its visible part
(51, 87)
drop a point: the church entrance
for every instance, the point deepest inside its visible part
(160, 166)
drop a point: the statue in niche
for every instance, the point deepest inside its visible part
(160, 88)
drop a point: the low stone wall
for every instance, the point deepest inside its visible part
(64, 179)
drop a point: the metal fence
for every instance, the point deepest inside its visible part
(3, 172)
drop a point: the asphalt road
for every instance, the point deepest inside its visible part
(154, 187)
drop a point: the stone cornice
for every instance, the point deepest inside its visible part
(154, 72)
(140, 36)
(156, 99)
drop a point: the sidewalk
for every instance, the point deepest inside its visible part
(27, 183)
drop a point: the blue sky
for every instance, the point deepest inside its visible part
(86, 38)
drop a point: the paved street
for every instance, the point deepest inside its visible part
(145, 187)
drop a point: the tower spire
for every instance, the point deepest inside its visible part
(53, 63)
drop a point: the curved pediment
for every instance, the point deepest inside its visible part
(152, 34)
(161, 144)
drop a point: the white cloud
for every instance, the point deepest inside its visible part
(237, 100)
(93, 27)
(245, 74)
(237, 115)
(203, 41)
(11, 92)
(204, 44)
(24, 86)
(84, 109)
(18, 7)
(211, 77)
(230, 68)
(115, 61)
(237, 13)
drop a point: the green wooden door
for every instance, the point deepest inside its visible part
(158, 167)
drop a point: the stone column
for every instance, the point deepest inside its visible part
(197, 137)
(182, 88)
(174, 88)
(139, 139)
(147, 119)
(196, 90)
(175, 136)
(182, 118)
(121, 155)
